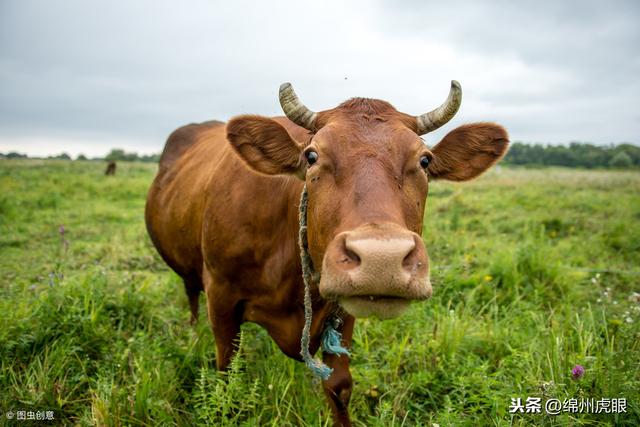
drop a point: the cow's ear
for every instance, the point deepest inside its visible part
(266, 146)
(467, 151)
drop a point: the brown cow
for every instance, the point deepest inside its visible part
(223, 213)
(111, 168)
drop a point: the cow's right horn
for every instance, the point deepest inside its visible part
(434, 119)
(294, 109)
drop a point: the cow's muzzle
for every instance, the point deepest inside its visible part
(376, 270)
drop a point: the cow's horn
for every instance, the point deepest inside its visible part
(434, 119)
(294, 109)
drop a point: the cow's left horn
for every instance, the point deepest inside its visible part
(434, 119)
(294, 109)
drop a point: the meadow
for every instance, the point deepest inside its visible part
(535, 271)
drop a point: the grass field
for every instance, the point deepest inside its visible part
(534, 272)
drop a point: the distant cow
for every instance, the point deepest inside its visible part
(111, 168)
(223, 213)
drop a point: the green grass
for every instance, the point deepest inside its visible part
(532, 273)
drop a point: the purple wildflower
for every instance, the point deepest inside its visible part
(65, 242)
(577, 372)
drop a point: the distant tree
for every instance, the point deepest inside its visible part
(15, 155)
(61, 156)
(81, 157)
(116, 154)
(150, 158)
(632, 151)
(621, 160)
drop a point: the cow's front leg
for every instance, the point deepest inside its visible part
(338, 387)
(225, 317)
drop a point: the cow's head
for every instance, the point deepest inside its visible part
(367, 173)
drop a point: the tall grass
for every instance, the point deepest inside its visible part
(533, 271)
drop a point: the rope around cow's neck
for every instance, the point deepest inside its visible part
(330, 336)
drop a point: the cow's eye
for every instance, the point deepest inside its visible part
(311, 156)
(424, 162)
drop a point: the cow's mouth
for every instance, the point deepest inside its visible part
(381, 306)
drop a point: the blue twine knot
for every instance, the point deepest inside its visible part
(331, 340)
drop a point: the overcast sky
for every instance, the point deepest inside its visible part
(86, 76)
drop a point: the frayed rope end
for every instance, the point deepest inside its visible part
(318, 368)
(330, 344)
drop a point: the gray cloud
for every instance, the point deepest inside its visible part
(582, 59)
(76, 74)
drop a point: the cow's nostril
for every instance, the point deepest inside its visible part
(346, 258)
(351, 255)
(409, 258)
(413, 259)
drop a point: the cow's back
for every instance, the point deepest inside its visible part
(182, 139)
(174, 204)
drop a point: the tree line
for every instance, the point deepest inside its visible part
(120, 155)
(115, 154)
(581, 155)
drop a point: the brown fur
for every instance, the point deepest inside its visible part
(232, 232)
(181, 139)
(111, 168)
